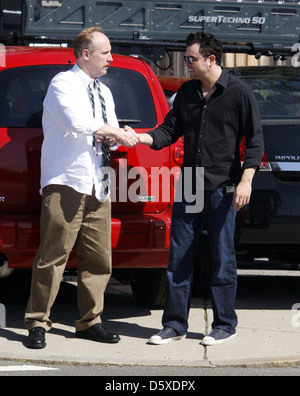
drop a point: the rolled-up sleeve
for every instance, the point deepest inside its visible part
(251, 129)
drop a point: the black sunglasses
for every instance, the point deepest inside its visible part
(191, 60)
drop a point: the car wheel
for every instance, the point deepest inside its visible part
(149, 286)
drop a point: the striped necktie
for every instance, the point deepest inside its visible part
(105, 146)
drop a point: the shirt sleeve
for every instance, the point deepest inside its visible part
(170, 131)
(252, 129)
(63, 104)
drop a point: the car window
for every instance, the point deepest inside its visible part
(132, 96)
(277, 93)
(22, 93)
(23, 90)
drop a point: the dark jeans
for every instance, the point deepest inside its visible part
(219, 217)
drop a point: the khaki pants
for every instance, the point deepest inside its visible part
(68, 217)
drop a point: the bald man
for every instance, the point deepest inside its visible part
(76, 209)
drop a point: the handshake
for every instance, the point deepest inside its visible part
(129, 137)
(112, 136)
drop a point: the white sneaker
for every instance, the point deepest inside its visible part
(217, 337)
(166, 335)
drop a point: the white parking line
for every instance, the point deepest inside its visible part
(25, 368)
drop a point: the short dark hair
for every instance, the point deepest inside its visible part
(209, 45)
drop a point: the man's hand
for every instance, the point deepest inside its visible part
(243, 190)
(129, 138)
(113, 136)
(108, 134)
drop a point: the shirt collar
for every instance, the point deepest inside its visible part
(85, 78)
(223, 79)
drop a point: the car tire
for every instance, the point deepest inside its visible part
(149, 287)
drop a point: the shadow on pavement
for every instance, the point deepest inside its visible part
(121, 309)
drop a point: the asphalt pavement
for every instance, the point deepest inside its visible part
(268, 332)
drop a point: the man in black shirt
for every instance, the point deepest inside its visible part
(213, 112)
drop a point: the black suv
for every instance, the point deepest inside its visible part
(270, 225)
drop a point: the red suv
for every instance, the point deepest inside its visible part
(140, 214)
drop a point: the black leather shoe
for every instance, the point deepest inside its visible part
(36, 338)
(98, 333)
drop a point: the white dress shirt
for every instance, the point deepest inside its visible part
(68, 155)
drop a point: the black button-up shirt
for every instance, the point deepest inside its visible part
(212, 130)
